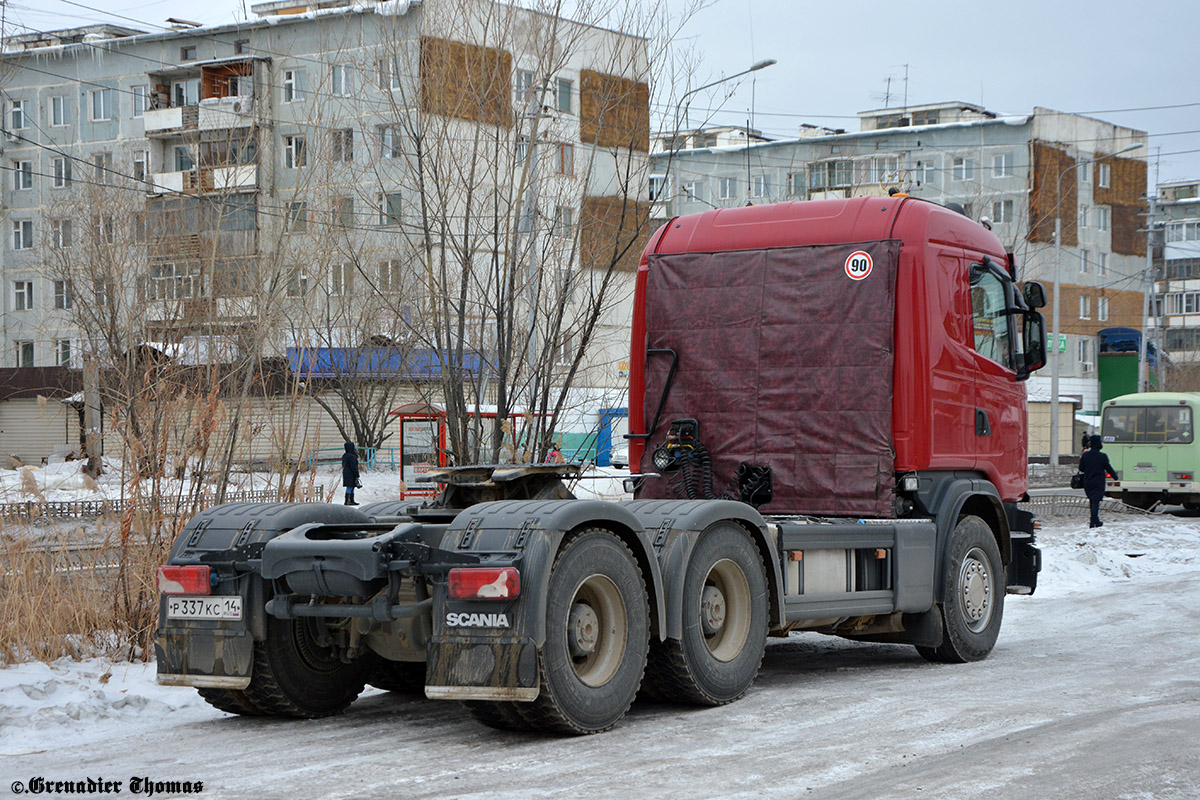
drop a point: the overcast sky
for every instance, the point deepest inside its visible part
(1131, 63)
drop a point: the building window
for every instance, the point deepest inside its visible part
(525, 94)
(102, 168)
(104, 229)
(564, 221)
(22, 175)
(564, 95)
(296, 220)
(102, 104)
(343, 211)
(19, 117)
(22, 295)
(795, 184)
(1085, 261)
(1085, 307)
(658, 183)
(294, 154)
(60, 169)
(565, 159)
(1103, 175)
(1102, 264)
(1103, 217)
(60, 239)
(62, 294)
(187, 53)
(758, 186)
(389, 209)
(1102, 309)
(24, 353)
(389, 74)
(1084, 171)
(1002, 211)
(389, 141)
(926, 173)
(341, 145)
(141, 97)
(1002, 165)
(341, 280)
(963, 169)
(186, 92)
(141, 162)
(293, 86)
(183, 158)
(925, 118)
(241, 47)
(342, 80)
(60, 112)
(691, 191)
(522, 148)
(62, 352)
(1084, 209)
(389, 277)
(727, 188)
(297, 284)
(1084, 351)
(22, 234)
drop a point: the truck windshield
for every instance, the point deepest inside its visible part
(1147, 425)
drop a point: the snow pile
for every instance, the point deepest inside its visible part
(45, 706)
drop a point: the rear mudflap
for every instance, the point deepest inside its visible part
(482, 668)
(213, 657)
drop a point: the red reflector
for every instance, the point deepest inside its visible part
(194, 579)
(484, 583)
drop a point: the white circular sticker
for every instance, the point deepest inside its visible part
(858, 265)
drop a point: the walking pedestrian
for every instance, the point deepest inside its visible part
(1095, 467)
(350, 473)
(1083, 442)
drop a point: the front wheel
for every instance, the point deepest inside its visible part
(597, 637)
(973, 595)
(724, 622)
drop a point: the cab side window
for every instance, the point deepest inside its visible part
(988, 310)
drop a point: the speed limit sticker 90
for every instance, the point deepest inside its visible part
(858, 265)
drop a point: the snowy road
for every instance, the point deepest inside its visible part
(1092, 692)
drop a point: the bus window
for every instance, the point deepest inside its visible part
(1147, 425)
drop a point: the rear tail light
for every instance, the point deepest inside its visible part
(484, 583)
(194, 579)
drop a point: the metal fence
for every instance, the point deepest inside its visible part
(86, 509)
(1059, 505)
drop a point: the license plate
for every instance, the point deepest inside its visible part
(1145, 468)
(223, 607)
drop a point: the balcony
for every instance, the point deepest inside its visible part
(221, 113)
(170, 121)
(173, 182)
(243, 178)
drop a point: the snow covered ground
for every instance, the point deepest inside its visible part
(1093, 691)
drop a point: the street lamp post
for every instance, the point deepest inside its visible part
(1054, 364)
(682, 106)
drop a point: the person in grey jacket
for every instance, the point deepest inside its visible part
(1095, 468)
(350, 473)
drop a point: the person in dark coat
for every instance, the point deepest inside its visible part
(350, 473)
(1095, 466)
(1084, 441)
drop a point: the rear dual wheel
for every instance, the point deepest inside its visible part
(724, 622)
(597, 637)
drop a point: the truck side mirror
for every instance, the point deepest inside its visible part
(1035, 342)
(1035, 294)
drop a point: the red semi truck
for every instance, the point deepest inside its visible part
(827, 408)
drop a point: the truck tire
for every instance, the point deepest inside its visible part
(231, 701)
(724, 622)
(597, 637)
(499, 714)
(405, 677)
(294, 676)
(974, 589)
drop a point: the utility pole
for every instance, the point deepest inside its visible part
(1147, 292)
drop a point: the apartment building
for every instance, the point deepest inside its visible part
(1177, 277)
(1019, 172)
(315, 181)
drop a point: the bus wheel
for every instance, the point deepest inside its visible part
(973, 595)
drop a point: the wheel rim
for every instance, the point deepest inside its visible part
(975, 590)
(596, 630)
(725, 610)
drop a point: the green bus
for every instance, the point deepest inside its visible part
(1151, 443)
